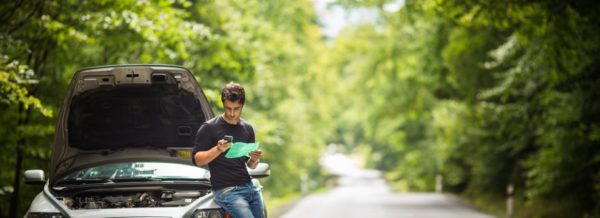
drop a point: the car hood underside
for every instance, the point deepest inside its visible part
(133, 116)
(128, 113)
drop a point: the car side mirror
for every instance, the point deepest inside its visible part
(262, 170)
(34, 177)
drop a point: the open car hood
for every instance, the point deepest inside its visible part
(128, 113)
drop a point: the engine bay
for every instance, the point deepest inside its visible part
(165, 198)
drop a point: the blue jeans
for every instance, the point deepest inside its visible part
(243, 201)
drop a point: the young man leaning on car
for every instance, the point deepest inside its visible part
(231, 183)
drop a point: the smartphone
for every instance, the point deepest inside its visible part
(228, 138)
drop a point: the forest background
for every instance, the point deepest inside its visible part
(484, 93)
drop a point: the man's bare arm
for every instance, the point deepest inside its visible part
(202, 158)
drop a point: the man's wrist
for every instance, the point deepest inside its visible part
(253, 161)
(219, 149)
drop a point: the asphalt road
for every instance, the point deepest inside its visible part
(365, 194)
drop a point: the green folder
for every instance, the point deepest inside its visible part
(240, 149)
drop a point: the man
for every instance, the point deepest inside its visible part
(231, 184)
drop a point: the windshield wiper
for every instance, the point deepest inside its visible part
(135, 179)
(83, 181)
(150, 178)
(181, 179)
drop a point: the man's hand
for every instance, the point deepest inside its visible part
(254, 158)
(255, 155)
(223, 145)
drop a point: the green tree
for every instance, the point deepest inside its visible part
(485, 93)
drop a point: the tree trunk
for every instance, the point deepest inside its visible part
(14, 201)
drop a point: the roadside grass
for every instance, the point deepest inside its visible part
(485, 203)
(277, 206)
(496, 206)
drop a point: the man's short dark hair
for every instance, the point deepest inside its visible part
(233, 92)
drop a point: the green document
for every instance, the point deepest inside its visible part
(240, 149)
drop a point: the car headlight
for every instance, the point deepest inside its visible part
(209, 213)
(46, 215)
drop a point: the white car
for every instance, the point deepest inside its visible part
(122, 147)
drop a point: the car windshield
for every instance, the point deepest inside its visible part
(138, 171)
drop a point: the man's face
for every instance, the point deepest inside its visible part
(233, 110)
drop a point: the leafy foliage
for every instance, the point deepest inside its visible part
(484, 93)
(266, 45)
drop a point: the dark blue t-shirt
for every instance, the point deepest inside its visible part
(224, 172)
